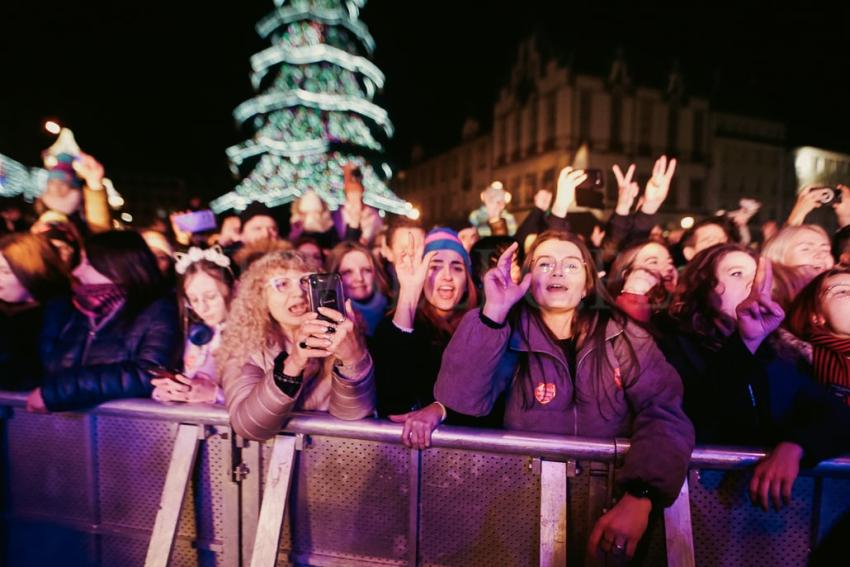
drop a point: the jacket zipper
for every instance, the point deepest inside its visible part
(573, 378)
(578, 365)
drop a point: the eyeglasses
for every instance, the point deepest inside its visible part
(282, 284)
(569, 265)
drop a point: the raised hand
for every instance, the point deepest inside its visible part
(658, 185)
(597, 236)
(640, 281)
(627, 189)
(500, 291)
(758, 314)
(543, 199)
(412, 271)
(810, 198)
(568, 180)
(90, 170)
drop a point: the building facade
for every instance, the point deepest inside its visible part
(547, 115)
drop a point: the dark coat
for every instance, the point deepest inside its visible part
(20, 328)
(406, 367)
(736, 397)
(86, 367)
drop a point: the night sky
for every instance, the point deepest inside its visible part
(149, 87)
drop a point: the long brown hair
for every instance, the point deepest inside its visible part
(341, 250)
(590, 324)
(222, 276)
(36, 264)
(806, 313)
(695, 306)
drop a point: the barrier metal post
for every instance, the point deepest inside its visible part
(678, 530)
(173, 493)
(275, 495)
(553, 514)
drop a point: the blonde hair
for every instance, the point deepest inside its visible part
(778, 247)
(250, 327)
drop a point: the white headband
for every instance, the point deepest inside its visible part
(214, 255)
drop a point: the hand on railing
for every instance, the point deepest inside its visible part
(175, 387)
(35, 402)
(774, 476)
(418, 425)
(618, 532)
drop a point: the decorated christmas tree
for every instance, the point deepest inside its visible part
(314, 111)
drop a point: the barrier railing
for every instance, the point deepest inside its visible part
(134, 482)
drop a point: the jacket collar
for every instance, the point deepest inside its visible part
(538, 337)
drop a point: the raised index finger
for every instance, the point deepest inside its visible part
(505, 259)
(766, 277)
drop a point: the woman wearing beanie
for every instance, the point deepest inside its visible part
(435, 291)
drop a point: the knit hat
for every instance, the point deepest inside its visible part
(446, 239)
(63, 170)
(255, 209)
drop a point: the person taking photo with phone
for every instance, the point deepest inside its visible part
(277, 356)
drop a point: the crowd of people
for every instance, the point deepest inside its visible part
(668, 338)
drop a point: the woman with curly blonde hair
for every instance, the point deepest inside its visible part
(277, 356)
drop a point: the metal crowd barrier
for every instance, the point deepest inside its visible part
(138, 483)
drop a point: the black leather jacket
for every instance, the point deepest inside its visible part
(85, 367)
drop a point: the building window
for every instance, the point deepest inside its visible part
(548, 182)
(616, 138)
(517, 133)
(585, 111)
(672, 129)
(551, 119)
(532, 126)
(699, 134)
(503, 141)
(530, 188)
(482, 156)
(696, 194)
(645, 127)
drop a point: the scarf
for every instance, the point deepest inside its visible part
(373, 311)
(98, 302)
(831, 361)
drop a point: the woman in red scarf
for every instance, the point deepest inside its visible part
(821, 315)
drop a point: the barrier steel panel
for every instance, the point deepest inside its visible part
(729, 531)
(349, 503)
(477, 507)
(48, 455)
(134, 458)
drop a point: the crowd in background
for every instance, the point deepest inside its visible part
(667, 338)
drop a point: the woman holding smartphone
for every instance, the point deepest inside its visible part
(277, 356)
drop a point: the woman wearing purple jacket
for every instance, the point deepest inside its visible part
(571, 363)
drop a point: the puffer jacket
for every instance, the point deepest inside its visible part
(84, 367)
(259, 409)
(642, 402)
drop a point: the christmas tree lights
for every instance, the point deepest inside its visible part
(314, 111)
